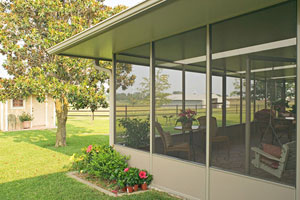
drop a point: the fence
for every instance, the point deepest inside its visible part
(165, 110)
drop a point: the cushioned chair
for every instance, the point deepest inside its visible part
(213, 134)
(169, 146)
(275, 159)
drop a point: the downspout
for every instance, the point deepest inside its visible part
(111, 98)
(97, 66)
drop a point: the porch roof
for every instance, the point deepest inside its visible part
(150, 21)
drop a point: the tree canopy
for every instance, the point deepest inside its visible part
(27, 29)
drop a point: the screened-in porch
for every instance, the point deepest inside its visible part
(230, 68)
(251, 96)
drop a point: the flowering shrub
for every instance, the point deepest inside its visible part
(106, 163)
(100, 161)
(145, 177)
(186, 116)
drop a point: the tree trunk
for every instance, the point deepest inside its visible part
(93, 116)
(61, 115)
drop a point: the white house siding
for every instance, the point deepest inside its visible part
(31, 106)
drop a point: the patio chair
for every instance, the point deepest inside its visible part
(169, 146)
(12, 122)
(214, 129)
(275, 159)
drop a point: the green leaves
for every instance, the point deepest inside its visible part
(136, 133)
(28, 28)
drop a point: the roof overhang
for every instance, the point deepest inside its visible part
(152, 20)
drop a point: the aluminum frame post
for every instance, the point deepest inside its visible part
(241, 100)
(208, 109)
(224, 98)
(297, 196)
(183, 88)
(112, 101)
(152, 103)
(266, 92)
(248, 116)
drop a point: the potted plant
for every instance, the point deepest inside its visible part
(134, 176)
(145, 179)
(131, 178)
(186, 117)
(26, 119)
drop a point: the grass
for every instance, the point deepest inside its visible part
(32, 168)
(85, 124)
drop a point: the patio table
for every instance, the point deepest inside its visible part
(191, 131)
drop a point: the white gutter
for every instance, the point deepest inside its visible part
(104, 25)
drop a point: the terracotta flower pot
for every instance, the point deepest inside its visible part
(26, 124)
(144, 186)
(136, 187)
(129, 189)
(124, 189)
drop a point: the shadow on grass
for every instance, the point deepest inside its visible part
(46, 139)
(52, 186)
(59, 186)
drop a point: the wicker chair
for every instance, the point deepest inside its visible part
(169, 146)
(214, 129)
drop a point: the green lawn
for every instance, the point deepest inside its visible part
(31, 168)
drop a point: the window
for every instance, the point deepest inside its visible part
(17, 103)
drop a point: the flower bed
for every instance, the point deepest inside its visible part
(107, 168)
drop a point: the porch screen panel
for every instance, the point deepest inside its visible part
(133, 106)
(180, 91)
(260, 49)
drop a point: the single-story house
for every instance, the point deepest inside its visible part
(252, 156)
(43, 113)
(198, 100)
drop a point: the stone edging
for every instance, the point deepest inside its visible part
(100, 189)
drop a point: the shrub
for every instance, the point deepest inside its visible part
(104, 162)
(132, 176)
(101, 161)
(136, 132)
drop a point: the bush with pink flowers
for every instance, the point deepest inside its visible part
(102, 161)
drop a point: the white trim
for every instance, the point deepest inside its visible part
(2, 115)
(255, 48)
(6, 116)
(54, 115)
(46, 111)
(17, 108)
(236, 52)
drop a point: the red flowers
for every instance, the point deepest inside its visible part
(126, 169)
(143, 175)
(89, 149)
(186, 116)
